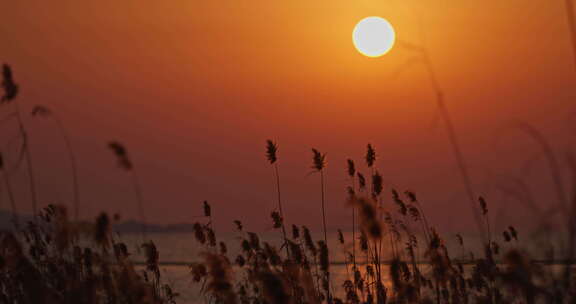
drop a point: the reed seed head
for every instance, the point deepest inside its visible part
(351, 168)
(483, 205)
(377, 184)
(121, 154)
(513, 232)
(318, 160)
(340, 237)
(276, 219)
(238, 225)
(295, 232)
(370, 156)
(207, 209)
(361, 181)
(8, 84)
(271, 150)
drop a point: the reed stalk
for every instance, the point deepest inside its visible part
(11, 90)
(125, 163)
(43, 111)
(319, 164)
(271, 154)
(8, 186)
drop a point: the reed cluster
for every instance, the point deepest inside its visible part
(55, 260)
(395, 255)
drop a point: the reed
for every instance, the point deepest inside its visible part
(125, 163)
(43, 111)
(454, 141)
(11, 90)
(351, 171)
(8, 186)
(44, 263)
(319, 164)
(271, 155)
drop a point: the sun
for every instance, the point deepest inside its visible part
(373, 36)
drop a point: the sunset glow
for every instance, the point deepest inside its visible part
(287, 152)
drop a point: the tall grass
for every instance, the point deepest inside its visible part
(10, 192)
(450, 129)
(53, 260)
(271, 155)
(11, 90)
(319, 164)
(43, 111)
(125, 163)
(351, 171)
(45, 262)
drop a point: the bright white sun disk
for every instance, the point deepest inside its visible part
(373, 36)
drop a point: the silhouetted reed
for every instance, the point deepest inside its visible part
(10, 192)
(43, 111)
(271, 155)
(318, 164)
(43, 264)
(11, 90)
(125, 163)
(51, 259)
(351, 170)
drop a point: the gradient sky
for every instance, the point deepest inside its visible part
(194, 88)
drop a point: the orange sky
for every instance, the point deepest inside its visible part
(195, 87)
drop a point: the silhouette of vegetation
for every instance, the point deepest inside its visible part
(11, 90)
(271, 155)
(125, 163)
(54, 260)
(43, 111)
(400, 257)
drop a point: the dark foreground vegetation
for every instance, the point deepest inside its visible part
(394, 254)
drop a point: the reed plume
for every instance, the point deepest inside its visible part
(318, 164)
(370, 156)
(8, 84)
(271, 155)
(351, 169)
(351, 174)
(484, 211)
(377, 186)
(125, 163)
(11, 90)
(220, 275)
(361, 181)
